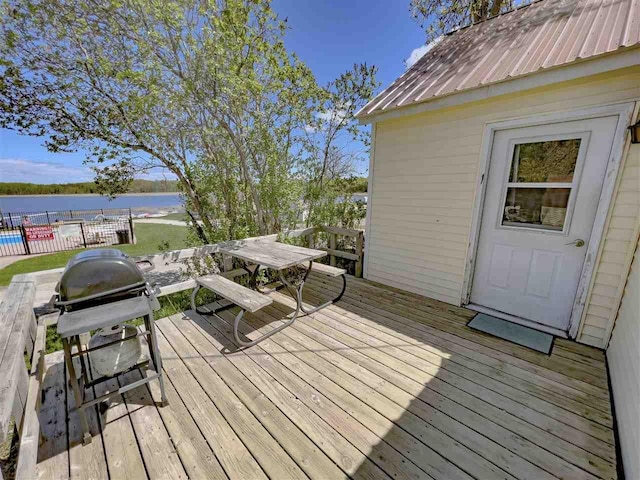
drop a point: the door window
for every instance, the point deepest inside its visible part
(541, 180)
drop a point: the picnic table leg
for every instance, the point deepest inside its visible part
(253, 281)
(326, 304)
(284, 325)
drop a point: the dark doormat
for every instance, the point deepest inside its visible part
(525, 336)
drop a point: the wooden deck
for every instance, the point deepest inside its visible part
(384, 384)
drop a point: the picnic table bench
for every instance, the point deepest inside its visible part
(273, 255)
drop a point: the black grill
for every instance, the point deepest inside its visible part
(95, 277)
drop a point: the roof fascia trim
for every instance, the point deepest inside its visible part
(605, 63)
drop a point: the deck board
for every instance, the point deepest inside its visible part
(53, 454)
(470, 343)
(501, 376)
(385, 384)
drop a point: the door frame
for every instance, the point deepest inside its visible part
(624, 111)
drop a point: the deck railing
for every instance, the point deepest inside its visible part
(22, 333)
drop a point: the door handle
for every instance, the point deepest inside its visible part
(577, 243)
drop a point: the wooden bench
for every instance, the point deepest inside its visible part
(327, 270)
(248, 300)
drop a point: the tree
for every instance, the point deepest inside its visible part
(439, 17)
(329, 143)
(203, 88)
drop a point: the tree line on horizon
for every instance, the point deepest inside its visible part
(136, 186)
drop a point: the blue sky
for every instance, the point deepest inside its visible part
(329, 35)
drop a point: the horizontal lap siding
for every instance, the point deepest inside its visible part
(619, 242)
(425, 175)
(624, 367)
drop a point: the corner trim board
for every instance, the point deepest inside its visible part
(367, 227)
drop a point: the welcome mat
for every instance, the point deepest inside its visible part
(525, 336)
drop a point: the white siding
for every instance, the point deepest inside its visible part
(425, 173)
(623, 355)
(616, 252)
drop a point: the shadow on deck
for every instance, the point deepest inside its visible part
(383, 384)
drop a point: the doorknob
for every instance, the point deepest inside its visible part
(578, 243)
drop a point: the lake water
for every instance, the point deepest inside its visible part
(51, 203)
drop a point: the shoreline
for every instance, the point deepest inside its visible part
(38, 195)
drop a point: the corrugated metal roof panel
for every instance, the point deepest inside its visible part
(542, 35)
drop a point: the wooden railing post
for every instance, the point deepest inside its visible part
(332, 246)
(360, 253)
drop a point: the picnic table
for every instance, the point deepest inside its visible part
(293, 264)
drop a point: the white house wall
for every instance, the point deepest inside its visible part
(422, 192)
(623, 355)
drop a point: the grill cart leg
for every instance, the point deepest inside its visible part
(155, 356)
(77, 394)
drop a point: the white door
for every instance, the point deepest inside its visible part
(542, 194)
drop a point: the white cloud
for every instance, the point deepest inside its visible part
(419, 52)
(18, 170)
(332, 114)
(30, 171)
(309, 129)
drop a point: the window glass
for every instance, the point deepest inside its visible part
(544, 208)
(545, 162)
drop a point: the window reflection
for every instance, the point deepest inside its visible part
(536, 207)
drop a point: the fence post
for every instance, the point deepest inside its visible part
(25, 240)
(70, 213)
(332, 246)
(48, 221)
(84, 239)
(360, 253)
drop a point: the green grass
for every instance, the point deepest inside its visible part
(151, 238)
(182, 216)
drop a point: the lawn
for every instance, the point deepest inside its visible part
(182, 216)
(151, 238)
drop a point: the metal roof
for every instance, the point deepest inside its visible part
(539, 36)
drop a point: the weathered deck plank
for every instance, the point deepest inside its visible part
(383, 384)
(565, 372)
(233, 455)
(272, 458)
(480, 416)
(550, 381)
(306, 454)
(158, 452)
(53, 453)
(121, 449)
(468, 364)
(346, 456)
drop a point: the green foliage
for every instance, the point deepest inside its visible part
(354, 184)
(136, 186)
(204, 89)
(439, 17)
(148, 236)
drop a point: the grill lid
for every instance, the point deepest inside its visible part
(96, 273)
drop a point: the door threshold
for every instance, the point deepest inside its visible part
(520, 321)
